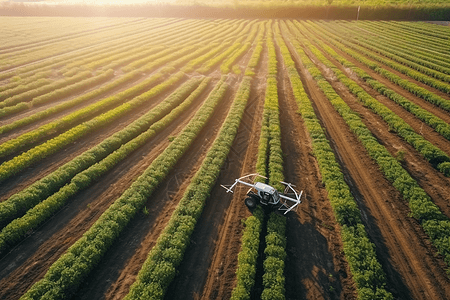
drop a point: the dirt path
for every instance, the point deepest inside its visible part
(431, 180)
(221, 278)
(29, 261)
(402, 249)
(50, 164)
(315, 265)
(112, 279)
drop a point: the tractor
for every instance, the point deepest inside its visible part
(267, 196)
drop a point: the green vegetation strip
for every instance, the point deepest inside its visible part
(270, 156)
(18, 163)
(248, 255)
(68, 272)
(20, 202)
(275, 255)
(431, 153)
(28, 95)
(60, 107)
(22, 88)
(359, 251)
(59, 93)
(412, 87)
(159, 269)
(17, 229)
(421, 47)
(433, 221)
(391, 50)
(441, 127)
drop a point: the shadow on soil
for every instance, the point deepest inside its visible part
(309, 266)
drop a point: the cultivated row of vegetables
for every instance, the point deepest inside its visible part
(433, 154)
(67, 273)
(174, 75)
(412, 87)
(367, 272)
(433, 221)
(117, 147)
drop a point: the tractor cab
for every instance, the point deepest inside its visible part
(264, 194)
(268, 194)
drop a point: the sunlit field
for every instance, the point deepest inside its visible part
(117, 134)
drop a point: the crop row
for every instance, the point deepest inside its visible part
(59, 93)
(63, 106)
(419, 28)
(79, 28)
(16, 230)
(367, 273)
(248, 255)
(14, 82)
(29, 137)
(28, 95)
(269, 163)
(160, 266)
(15, 28)
(419, 76)
(30, 196)
(18, 163)
(438, 124)
(422, 208)
(71, 59)
(31, 85)
(430, 42)
(270, 156)
(275, 255)
(420, 47)
(69, 271)
(410, 58)
(433, 154)
(407, 85)
(225, 66)
(68, 46)
(255, 58)
(43, 131)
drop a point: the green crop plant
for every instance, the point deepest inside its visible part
(69, 271)
(433, 221)
(342, 202)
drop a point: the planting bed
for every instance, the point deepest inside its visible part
(115, 138)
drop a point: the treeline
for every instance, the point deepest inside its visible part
(407, 12)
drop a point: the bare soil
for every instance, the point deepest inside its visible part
(413, 268)
(316, 267)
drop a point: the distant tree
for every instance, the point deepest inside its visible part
(330, 1)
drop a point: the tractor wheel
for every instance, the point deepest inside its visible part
(250, 202)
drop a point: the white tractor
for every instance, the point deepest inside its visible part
(266, 195)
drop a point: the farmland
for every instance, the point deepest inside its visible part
(116, 134)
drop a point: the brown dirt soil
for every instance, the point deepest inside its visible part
(29, 261)
(314, 247)
(221, 278)
(430, 179)
(412, 268)
(14, 133)
(316, 267)
(213, 246)
(50, 164)
(113, 278)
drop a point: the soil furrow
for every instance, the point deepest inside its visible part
(314, 247)
(431, 180)
(408, 260)
(52, 239)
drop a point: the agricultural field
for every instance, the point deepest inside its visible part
(116, 135)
